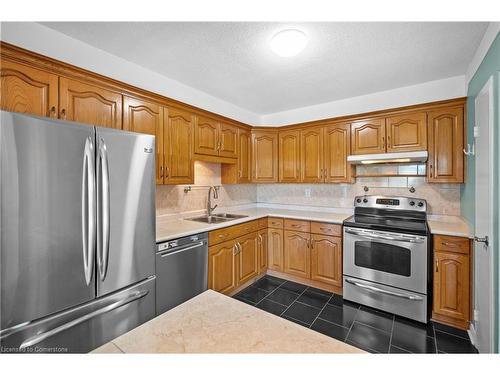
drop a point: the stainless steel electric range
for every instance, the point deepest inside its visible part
(387, 257)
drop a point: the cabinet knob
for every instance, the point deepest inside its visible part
(52, 111)
(63, 114)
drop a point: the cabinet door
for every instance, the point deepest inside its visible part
(446, 142)
(451, 285)
(247, 258)
(289, 156)
(228, 141)
(263, 244)
(222, 267)
(337, 143)
(206, 136)
(368, 137)
(311, 155)
(145, 117)
(178, 144)
(326, 259)
(297, 253)
(27, 90)
(265, 156)
(89, 104)
(407, 132)
(244, 156)
(275, 249)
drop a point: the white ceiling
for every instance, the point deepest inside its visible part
(232, 61)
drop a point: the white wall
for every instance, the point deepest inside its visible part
(48, 42)
(448, 88)
(41, 39)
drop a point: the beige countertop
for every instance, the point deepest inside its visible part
(214, 323)
(174, 228)
(171, 228)
(450, 226)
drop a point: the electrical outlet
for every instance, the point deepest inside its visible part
(307, 193)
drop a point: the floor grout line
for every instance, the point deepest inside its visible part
(317, 316)
(352, 323)
(293, 303)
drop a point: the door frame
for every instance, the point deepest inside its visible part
(487, 88)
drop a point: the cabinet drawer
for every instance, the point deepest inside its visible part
(451, 244)
(298, 225)
(326, 229)
(274, 222)
(225, 234)
(263, 223)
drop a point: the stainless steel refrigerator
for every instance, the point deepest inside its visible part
(77, 234)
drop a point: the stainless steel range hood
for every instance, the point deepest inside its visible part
(393, 157)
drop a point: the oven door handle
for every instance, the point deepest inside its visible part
(383, 291)
(389, 238)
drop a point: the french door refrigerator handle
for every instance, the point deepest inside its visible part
(45, 335)
(88, 209)
(103, 208)
(383, 291)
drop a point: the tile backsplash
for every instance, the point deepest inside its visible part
(443, 199)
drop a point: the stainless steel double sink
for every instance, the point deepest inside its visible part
(216, 218)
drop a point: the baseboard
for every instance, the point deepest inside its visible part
(308, 282)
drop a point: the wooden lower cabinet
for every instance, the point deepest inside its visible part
(262, 237)
(247, 266)
(275, 249)
(452, 297)
(222, 267)
(326, 259)
(297, 254)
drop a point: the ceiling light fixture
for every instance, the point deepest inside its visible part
(288, 43)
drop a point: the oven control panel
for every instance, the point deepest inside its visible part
(397, 203)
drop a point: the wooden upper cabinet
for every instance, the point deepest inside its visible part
(275, 249)
(28, 90)
(297, 253)
(311, 155)
(265, 156)
(145, 117)
(228, 138)
(178, 146)
(222, 267)
(289, 156)
(368, 137)
(451, 286)
(326, 259)
(206, 137)
(247, 258)
(89, 104)
(407, 132)
(337, 145)
(244, 156)
(446, 142)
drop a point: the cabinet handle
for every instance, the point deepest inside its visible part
(388, 141)
(235, 249)
(239, 247)
(437, 265)
(52, 111)
(240, 173)
(161, 171)
(430, 166)
(221, 235)
(312, 244)
(296, 225)
(166, 171)
(63, 114)
(383, 142)
(450, 244)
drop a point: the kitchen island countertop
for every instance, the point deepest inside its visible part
(214, 323)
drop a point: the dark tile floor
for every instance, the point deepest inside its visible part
(372, 330)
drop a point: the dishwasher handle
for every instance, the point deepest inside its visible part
(180, 249)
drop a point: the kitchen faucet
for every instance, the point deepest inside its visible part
(209, 200)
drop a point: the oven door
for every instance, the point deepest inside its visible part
(394, 259)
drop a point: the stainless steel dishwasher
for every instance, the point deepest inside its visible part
(181, 270)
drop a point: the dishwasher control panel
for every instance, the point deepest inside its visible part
(181, 241)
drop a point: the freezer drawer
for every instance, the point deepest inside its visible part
(86, 327)
(181, 271)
